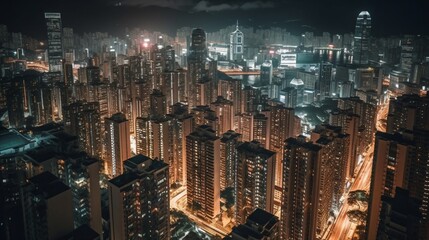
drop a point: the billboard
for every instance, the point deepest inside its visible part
(288, 59)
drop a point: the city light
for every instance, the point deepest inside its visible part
(213, 120)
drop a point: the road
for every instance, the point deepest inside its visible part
(177, 202)
(342, 228)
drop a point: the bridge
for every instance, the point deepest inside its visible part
(236, 72)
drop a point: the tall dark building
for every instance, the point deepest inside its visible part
(362, 38)
(254, 187)
(260, 225)
(196, 64)
(139, 200)
(308, 187)
(399, 217)
(228, 154)
(203, 171)
(325, 78)
(47, 206)
(15, 103)
(55, 41)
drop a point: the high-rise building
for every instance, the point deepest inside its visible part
(228, 156)
(362, 38)
(155, 139)
(254, 186)
(236, 41)
(250, 98)
(408, 112)
(139, 202)
(266, 72)
(48, 208)
(55, 41)
(203, 172)
(335, 148)
(230, 89)
(81, 174)
(399, 217)
(224, 111)
(15, 103)
(260, 225)
(158, 104)
(261, 129)
(118, 147)
(308, 183)
(281, 128)
(183, 125)
(349, 124)
(325, 79)
(393, 154)
(196, 64)
(82, 119)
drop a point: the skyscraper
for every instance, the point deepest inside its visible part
(82, 119)
(117, 144)
(203, 172)
(139, 202)
(228, 157)
(281, 128)
(224, 111)
(393, 154)
(255, 179)
(55, 41)
(81, 174)
(308, 188)
(196, 64)
(236, 41)
(362, 38)
(325, 78)
(47, 206)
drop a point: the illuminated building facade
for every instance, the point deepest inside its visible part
(117, 144)
(392, 156)
(308, 185)
(362, 38)
(83, 120)
(224, 111)
(281, 128)
(81, 174)
(255, 179)
(203, 172)
(55, 41)
(236, 42)
(139, 202)
(228, 156)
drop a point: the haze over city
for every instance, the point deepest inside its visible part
(214, 119)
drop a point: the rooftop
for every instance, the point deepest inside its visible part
(262, 218)
(40, 154)
(12, 139)
(48, 184)
(124, 179)
(255, 147)
(143, 163)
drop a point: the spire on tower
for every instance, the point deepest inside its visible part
(236, 27)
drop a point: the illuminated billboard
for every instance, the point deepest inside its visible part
(288, 59)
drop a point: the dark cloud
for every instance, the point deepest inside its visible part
(206, 6)
(175, 4)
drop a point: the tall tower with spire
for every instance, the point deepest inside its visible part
(236, 45)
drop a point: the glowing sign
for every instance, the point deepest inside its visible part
(288, 59)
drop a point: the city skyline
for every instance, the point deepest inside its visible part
(238, 134)
(114, 16)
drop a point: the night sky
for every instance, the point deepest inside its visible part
(335, 16)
